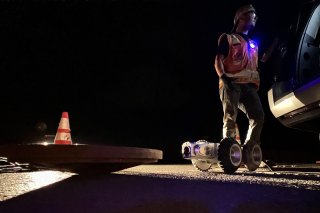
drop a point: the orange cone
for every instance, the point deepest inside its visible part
(63, 135)
(238, 134)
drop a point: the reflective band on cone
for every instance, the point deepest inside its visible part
(63, 135)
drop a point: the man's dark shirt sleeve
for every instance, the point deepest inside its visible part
(223, 46)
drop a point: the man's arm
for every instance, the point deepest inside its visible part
(222, 52)
(266, 55)
(227, 82)
(218, 64)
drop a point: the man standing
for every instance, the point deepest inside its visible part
(236, 64)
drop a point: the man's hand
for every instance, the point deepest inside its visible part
(227, 82)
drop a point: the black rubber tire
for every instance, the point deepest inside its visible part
(229, 155)
(252, 156)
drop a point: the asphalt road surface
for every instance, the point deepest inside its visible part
(161, 188)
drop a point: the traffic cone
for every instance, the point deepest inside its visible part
(63, 135)
(238, 139)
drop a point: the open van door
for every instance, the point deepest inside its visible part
(295, 98)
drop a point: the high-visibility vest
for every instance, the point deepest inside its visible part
(241, 63)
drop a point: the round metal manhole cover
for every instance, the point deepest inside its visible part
(80, 158)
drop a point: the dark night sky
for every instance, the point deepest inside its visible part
(129, 72)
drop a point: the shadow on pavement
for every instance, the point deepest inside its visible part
(127, 193)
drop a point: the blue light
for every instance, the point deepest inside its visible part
(252, 44)
(196, 149)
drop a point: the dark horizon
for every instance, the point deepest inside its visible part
(134, 73)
